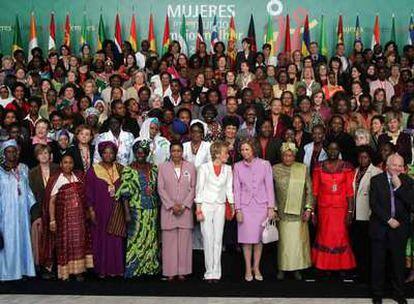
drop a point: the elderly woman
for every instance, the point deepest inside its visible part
(159, 146)
(102, 181)
(16, 197)
(214, 188)
(362, 137)
(176, 187)
(255, 203)
(294, 197)
(138, 191)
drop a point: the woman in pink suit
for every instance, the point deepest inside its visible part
(176, 187)
(255, 201)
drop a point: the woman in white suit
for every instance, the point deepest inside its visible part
(214, 186)
(360, 226)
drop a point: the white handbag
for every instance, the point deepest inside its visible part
(270, 233)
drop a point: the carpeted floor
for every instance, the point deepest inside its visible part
(232, 284)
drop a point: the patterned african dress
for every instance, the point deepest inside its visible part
(139, 188)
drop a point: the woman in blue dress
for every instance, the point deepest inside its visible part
(16, 199)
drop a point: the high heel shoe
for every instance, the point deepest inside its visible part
(258, 276)
(248, 277)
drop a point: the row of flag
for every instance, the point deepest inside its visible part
(182, 35)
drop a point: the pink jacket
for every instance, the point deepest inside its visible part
(176, 190)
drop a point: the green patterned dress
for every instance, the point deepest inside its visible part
(139, 188)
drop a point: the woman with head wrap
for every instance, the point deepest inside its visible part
(293, 192)
(102, 182)
(16, 197)
(101, 106)
(159, 146)
(138, 190)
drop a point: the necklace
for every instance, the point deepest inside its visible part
(16, 174)
(195, 147)
(111, 175)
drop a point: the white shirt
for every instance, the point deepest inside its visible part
(202, 156)
(124, 143)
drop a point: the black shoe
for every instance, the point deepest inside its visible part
(400, 300)
(376, 300)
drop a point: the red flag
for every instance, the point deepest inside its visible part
(118, 34)
(133, 34)
(376, 35)
(66, 39)
(52, 33)
(166, 38)
(340, 32)
(151, 36)
(287, 36)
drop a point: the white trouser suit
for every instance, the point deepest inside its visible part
(211, 193)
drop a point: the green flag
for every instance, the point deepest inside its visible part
(323, 41)
(269, 34)
(83, 38)
(101, 33)
(17, 36)
(182, 37)
(393, 31)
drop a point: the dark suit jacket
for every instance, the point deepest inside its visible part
(77, 158)
(273, 154)
(251, 59)
(403, 145)
(380, 203)
(38, 189)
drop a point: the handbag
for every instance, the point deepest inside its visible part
(116, 224)
(229, 213)
(270, 233)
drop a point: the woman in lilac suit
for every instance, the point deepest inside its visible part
(176, 187)
(255, 202)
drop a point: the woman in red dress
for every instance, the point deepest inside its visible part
(332, 188)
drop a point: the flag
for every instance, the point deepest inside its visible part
(214, 34)
(323, 41)
(357, 31)
(52, 33)
(166, 38)
(133, 34)
(269, 34)
(376, 35)
(200, 33)
(252, 34)
(411, 31)
(287, 35)
(83, 38)
(340, 31)
(231, 42)
(151, 35)
(101, 33)
(182, 37)
(17, 36)
(66, 37)
(305, 38)
(33, 36)
(118, 34)
(393, 31)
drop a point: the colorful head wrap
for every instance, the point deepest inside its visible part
(9, 143)
(143, 144)
(179, 127)
(288, 146)
(91, 111)
(107, 144)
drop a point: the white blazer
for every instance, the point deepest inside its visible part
(362, 209)
(203, 154)
(214, 189)
(307, 159)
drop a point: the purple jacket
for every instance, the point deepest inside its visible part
(253, 184)
(176, 190)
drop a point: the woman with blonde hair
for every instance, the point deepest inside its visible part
(214, 187)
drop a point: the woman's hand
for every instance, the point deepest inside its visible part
(199, 213)
(306, 215)
(239, 216)
(271, 213)
(349, 218)
(92, 216)
(52, 226)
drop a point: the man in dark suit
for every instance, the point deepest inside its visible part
(315, 55)
(391, 197)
